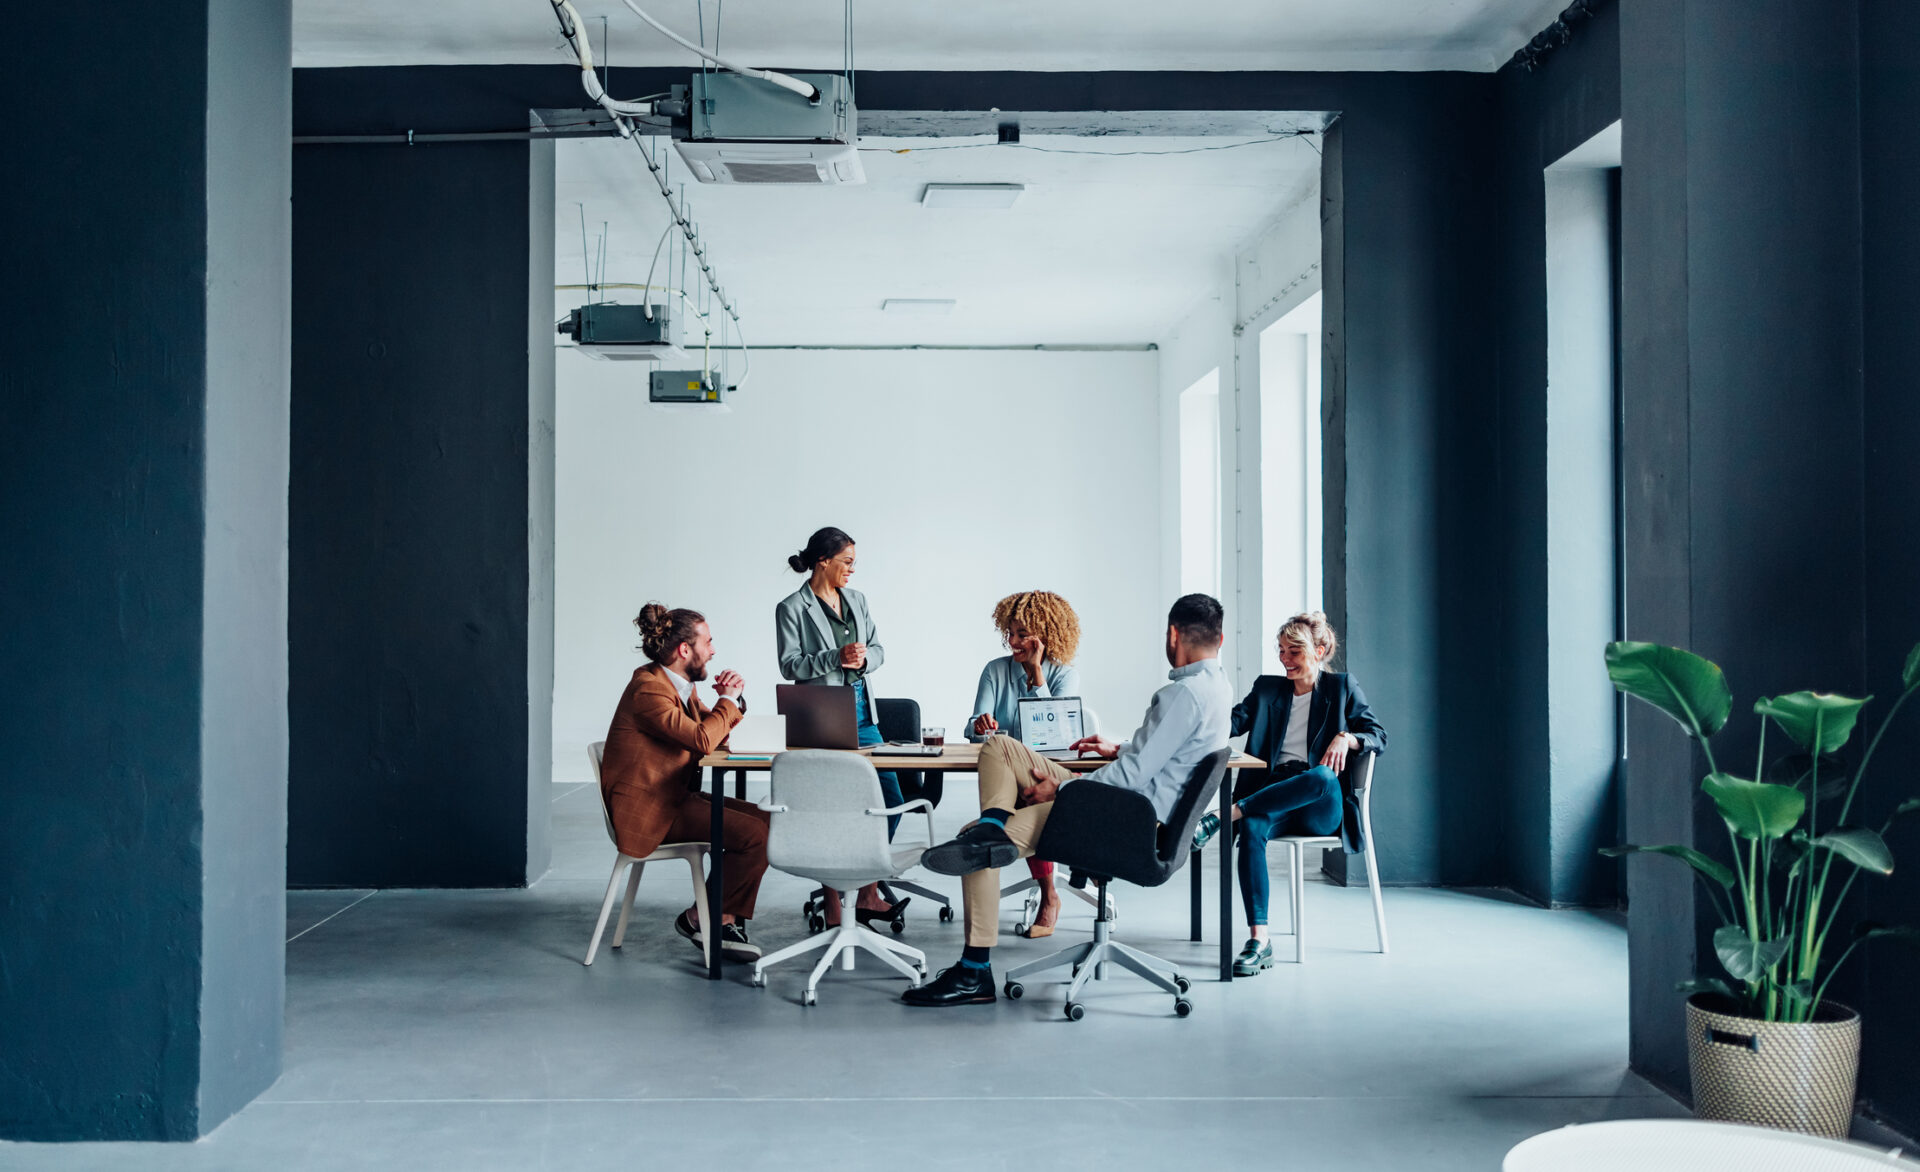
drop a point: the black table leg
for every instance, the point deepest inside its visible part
(740, 785)
(1225, 839)
(716, 863)
(1193, 926)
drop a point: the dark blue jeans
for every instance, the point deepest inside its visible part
(870, 735)
(1305, 801)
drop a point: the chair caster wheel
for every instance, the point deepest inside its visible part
(1182, 1007)
(1014, 990)
(898, 924)
(1075, 1011)
(808, 997)
(759, 980)
(1182, 984)
(946, 914)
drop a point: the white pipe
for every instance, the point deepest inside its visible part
(780, 79)
(576, 34)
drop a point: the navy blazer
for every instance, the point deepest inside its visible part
(1338, 706)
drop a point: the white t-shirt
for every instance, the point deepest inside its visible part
(1294, 747)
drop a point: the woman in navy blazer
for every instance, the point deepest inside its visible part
(1304, 724)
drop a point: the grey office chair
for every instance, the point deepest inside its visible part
(828, 826)
(1105, 833)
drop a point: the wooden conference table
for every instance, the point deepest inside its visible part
(964, 757)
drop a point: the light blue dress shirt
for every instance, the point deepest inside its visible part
(1003, 684)
(1186, 720)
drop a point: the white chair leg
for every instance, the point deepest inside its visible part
(826, 961)
(702, 914)
(606, 908)
(626, 905)
(1297, 890)
(1379, 908)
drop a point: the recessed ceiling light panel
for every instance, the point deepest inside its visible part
(971, 195)
(919, 305)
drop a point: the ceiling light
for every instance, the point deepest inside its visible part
(971, 195)
(920, 305)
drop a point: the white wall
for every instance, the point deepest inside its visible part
(963, 476)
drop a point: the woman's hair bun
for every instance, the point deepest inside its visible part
(798, 562)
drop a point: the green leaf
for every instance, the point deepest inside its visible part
(1745, 959)
(1799, 713)
(1906, 807)
(1704, 985)
(1861, 847)
(1869, 930)
(1754, 809)
(1716, 871)
(1910, 674)
(1679, 683)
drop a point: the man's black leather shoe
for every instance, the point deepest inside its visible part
(978, 847)
(963, 984)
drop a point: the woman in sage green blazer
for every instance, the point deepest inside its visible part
(826, 635)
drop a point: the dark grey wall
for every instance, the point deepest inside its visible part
(143, 743)
(415, 438)
(1544, 114)
(1890, 174)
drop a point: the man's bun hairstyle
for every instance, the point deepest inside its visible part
(662, 630)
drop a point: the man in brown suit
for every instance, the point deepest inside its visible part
(650, 771)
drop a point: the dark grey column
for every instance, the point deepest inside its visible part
(1890, 174)
(1409, 429)
(143, 510)
(1741, 363)
(421, 548)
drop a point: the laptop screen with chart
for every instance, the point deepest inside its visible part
(1051, 725)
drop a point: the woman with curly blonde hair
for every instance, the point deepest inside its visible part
(1041, 633)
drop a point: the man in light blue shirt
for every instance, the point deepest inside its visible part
(1187, 719)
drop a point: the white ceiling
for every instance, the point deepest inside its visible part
(924, 34)
(1107, 246)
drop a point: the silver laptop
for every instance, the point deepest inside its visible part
(1050, 725)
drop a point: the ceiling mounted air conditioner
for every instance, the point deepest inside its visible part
(742, 130)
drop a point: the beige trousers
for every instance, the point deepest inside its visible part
(1006, 768)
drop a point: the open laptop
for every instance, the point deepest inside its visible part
(819, 716)
(758, 736)
(1050, 725)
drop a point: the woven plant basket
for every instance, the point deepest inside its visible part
(1791, 1075)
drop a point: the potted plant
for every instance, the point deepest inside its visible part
(1768, 1046)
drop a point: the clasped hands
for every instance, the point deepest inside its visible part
(729, 684)
(853, 655)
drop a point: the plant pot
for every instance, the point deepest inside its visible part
(1798, 1076)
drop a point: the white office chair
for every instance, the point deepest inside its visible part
(1296, 845)
(691, 852)
(828, 826)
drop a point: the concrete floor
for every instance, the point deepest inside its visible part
(430, 1029)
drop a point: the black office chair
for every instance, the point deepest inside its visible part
(899, 720)
(1105, 833)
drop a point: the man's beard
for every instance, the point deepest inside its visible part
(697, 671)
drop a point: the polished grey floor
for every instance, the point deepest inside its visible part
(430, 1029)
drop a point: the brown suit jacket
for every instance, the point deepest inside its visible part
(651, 762)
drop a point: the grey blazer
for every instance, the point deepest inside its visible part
(808, 652)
